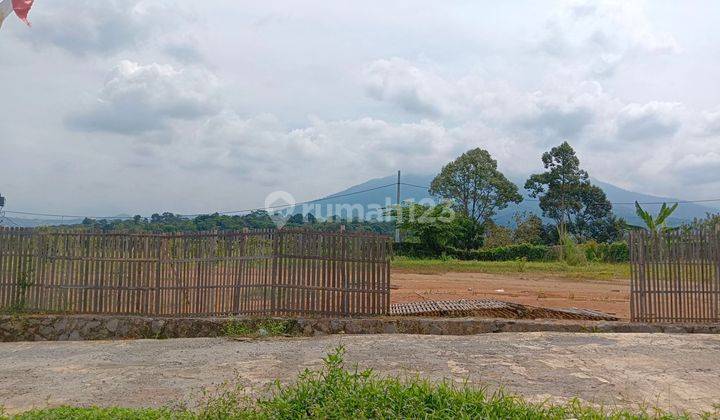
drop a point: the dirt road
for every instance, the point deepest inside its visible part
(609, 296)
(669, 371)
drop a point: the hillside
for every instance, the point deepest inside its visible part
(685, 212)
(383, 194)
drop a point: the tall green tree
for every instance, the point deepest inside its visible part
(566, 194)
(474, 185)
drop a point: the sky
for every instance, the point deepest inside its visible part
(142, 106)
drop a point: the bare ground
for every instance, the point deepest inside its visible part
(677, 372)
(609, 296)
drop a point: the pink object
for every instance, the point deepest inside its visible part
(22, 8)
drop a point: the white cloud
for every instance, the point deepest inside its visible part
(414, 90)
(139, 98)
(599, 36)
(710, 122)
(226, 103)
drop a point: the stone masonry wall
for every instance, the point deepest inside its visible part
(96, 327)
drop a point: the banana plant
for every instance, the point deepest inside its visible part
(656, 224)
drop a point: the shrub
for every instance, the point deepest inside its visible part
(504, 253)
(611, 253)
(589, 251)
(572, 254)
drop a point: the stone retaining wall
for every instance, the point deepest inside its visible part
(95, 327)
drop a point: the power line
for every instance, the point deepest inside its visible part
(69, 216)
(293, 205)
(202, 214)
(3, 218)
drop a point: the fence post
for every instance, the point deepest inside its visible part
(159, 246)
(344, 272)
(275, 267)
(388, 258)
(240, 272)
(633, 274)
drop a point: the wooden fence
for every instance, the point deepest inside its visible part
(675, 277)
(264, 273)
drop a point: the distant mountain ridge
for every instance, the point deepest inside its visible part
(382, 196)
(686, 212)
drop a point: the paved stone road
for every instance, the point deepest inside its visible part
(670, 371)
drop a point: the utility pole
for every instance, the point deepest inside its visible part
(397, 219)
(2, 204)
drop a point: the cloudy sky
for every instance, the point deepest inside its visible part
(138, 106)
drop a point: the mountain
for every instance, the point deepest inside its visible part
(357, 201)
(623, 199)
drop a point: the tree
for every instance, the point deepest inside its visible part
(608, 229)
(595, 213)
(296, 219)
(528, 229)
(473, 183)
(711, 223)
(496, 235)
(432, 226)
(565, 192)
(467, 233)
(656, 224)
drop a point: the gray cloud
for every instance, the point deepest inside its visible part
(710, 122)
(557, 123)
(654, 120)
(184, 52)
(317, 97)
(699, 168)
(399, 81)
(136, 99)
(91, 27)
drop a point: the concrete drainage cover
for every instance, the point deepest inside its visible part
(491, 308)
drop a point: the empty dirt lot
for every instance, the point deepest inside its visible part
(617, 370)
(609, 296)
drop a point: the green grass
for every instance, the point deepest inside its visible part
(591, 270)
(338, 392)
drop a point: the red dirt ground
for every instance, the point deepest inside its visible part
(609, 296)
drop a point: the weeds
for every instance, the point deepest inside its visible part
(19, 304)
(258, 328)
(572, 254)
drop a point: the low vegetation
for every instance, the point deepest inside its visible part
(338, 392)
(590, 270)
(259, 328)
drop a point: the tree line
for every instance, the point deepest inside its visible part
(475, 190)
(472, 190)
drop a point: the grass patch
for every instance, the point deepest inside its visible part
(259, 328)
(338, 392)
(590, 270)
(97, 413)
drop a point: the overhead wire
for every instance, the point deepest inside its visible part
(279, 207)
